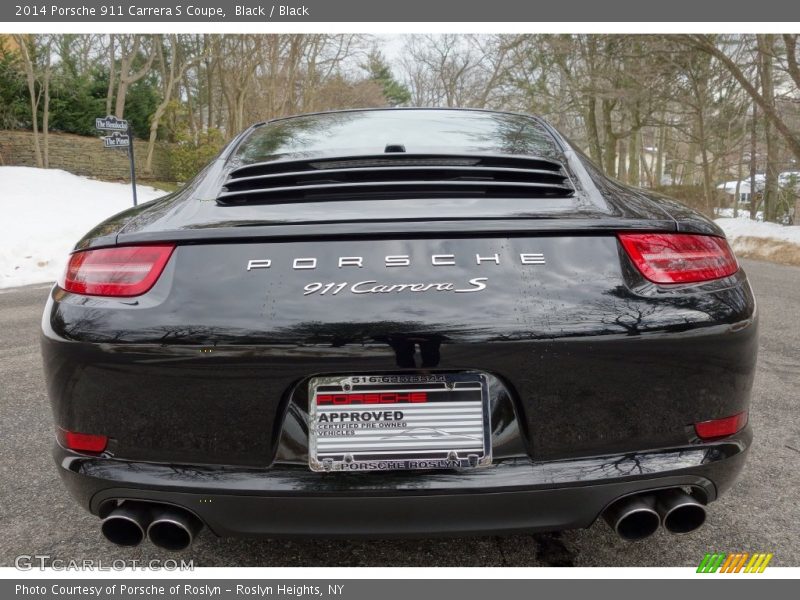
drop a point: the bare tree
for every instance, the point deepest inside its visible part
(766, 49)
(173, 63)
(764, 99)
(131, 49)
(112, 72)
(648, 109)
(458, 70)
(34, 49)
(47, 73)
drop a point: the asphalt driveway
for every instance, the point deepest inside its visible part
(760, 514)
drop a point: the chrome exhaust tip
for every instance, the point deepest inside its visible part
(126, 524)
(173, 529)
(679, 511)
(633, 518)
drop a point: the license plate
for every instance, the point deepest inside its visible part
(397, 422)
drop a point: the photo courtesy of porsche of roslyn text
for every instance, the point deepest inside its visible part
(401, 300)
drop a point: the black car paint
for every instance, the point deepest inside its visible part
(239, 353)
(590, 365)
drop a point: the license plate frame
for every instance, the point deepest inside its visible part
(449, 429)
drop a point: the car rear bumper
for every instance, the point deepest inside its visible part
(511, 496)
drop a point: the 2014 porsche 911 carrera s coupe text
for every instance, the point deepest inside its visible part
(400, 322)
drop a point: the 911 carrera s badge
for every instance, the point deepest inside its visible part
(476, 284)
(398, 422)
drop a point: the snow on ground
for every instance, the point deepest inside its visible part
(763, 241)
(45, 212)
(737, 228)
(742, 214)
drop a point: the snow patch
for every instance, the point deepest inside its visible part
(763, 241)
(743, 227)
(45, 212)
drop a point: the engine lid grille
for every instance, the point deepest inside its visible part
(395, 177)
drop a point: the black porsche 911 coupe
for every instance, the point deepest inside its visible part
(400, 322)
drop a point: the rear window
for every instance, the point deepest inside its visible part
(418, 131)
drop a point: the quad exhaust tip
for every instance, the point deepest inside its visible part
(679, 511)
(633, 518)
(127, 524)
(638, 517)
(168, 527)
(173, 529)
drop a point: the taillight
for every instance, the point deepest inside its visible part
(707, 430)
(82, 442)
(123, 271)
(679, 257)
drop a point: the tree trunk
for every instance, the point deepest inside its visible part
(591, 130)
(151, 142)
(634, 159)
(167, 81)
(646, 168)
(658, 175)
(771, 191)
(766, 45)
(708, 181)
(753, 163)
(662, 165)
(46, 107)
(610, 139)
(737, 193)
(112, 73)
(191, 109)
(126, 77)
(30, 75)
(622, 166)
(122, 94)
(591, 113)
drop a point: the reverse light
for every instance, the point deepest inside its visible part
(125, 271)
(717, 428)
(679, 257)
(82, 442)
